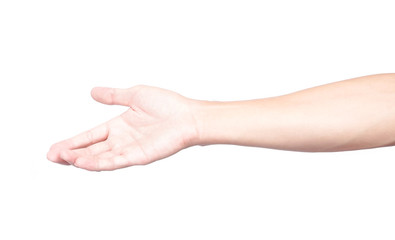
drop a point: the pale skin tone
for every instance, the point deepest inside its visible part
(352, 114)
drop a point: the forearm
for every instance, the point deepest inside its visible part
(352, 114)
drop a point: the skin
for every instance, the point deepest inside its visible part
(352, 114)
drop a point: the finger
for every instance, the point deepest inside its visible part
(86, 162)
(54, 157)
(87, 138)
(94, 149)
(113, 96)
(109, 160)
(70, 156)
(101, 162)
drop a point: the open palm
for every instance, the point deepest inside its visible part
(157, 124)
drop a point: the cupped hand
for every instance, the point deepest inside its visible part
(157, 124)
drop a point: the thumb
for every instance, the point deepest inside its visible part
(112, 96)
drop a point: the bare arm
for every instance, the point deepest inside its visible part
(347, 115)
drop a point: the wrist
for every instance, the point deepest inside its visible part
(236, 122)
(210, 122)
(199, 112)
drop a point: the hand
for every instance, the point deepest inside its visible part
(157, 124)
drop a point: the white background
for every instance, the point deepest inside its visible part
(53, 52)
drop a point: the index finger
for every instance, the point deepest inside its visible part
(95, 135)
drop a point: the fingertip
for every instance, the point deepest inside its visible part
(51, 155)
(102, 94)
(95, 90)
(68, 156)
(87, 163)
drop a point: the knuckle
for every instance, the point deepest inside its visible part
(89, 136)
(111, 95)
